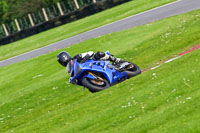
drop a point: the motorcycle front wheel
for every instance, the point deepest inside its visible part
(133, 71)
(95, 86)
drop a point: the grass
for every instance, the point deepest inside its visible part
(35, 95)
(77, 27)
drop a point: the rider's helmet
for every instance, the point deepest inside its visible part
(63, 58)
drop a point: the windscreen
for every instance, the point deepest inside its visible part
(70, 66)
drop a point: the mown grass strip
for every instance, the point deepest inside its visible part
(77, 27)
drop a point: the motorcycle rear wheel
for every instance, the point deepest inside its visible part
(92, 87)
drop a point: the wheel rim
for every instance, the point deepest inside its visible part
(97, 82)
(100, 83)
(131, 67)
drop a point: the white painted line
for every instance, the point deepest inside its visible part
(166, 62)
(172, 59)
(155, 67)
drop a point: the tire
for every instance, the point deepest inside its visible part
(136, 70)
(94, 88)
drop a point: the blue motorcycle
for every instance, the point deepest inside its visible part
(99, 75)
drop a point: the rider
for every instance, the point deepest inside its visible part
(64, 57)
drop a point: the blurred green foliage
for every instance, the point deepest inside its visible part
(10, 9)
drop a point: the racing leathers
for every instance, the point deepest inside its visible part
(81, 58)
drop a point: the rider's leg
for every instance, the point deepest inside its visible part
(103, 56)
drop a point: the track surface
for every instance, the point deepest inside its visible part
(175, 8)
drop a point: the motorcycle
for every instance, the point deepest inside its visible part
(100, 75)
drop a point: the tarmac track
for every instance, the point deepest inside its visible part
(171, 9)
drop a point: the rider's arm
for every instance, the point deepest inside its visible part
(83, 56)
(104, 56)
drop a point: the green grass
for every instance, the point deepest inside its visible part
(74, 28)
(35, 95)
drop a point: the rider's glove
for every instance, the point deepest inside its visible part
(117, 60)
(114, 59)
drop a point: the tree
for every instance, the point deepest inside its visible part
(4, 10)
(49, 2)
(22, 7)
(10, 9)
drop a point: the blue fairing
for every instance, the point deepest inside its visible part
(79, 71)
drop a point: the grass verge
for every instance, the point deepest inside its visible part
(35, 95)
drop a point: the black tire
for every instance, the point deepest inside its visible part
(94, 88)
(136, 70)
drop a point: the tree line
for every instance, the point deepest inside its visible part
(10, 9)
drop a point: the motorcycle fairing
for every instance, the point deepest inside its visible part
(103, 67)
